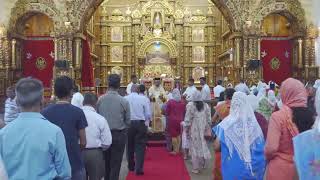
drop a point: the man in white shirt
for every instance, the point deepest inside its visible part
(190, 90)
(77, 97)
(242, 87)
(205, 91)
(98, 137)
(134, 80)
(218, 89)
(142, 90)
(137, 134)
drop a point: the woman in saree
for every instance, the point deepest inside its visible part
(197, 120)
(283, 126)
(307, 157)
(240, 139)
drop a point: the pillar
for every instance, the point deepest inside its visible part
(13, 53)
(300, 55)
(78, 53)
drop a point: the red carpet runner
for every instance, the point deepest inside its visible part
(159, 165)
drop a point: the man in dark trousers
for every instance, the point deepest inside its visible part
(116, 110)
(137, 135)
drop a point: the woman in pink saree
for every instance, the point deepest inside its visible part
(282, 128)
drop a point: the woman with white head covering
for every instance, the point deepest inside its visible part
(175, 112)
(198, 118)
(241, 141)
(317, 84)
(262, 93)
(272, 98)
(306, 147)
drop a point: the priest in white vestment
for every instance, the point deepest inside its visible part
(157, 95)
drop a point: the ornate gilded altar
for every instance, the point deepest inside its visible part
(156, 38)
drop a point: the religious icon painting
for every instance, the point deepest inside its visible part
(198, 34)
(117, 34)
(117, 54)
(198, 54)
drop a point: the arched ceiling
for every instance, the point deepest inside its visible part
(236, 12)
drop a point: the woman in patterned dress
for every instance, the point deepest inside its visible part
(197, 120)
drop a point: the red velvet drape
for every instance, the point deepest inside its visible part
(87, 67)
(276, 58)
(38, 60)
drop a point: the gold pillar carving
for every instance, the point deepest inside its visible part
(300, 64)
(259, 48)
(55, 40)
(6, 52)
(69, 55)
(1, 53)
(237, 54)
(78, 51)
(13, 53)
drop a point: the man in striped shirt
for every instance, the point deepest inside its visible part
(11, 108)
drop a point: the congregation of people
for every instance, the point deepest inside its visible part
(267, 131)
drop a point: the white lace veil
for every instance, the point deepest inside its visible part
(272, 97)
(262, 93)
(317, 105)
(241, 129)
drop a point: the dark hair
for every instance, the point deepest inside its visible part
(133, 76)
(219, 82)
(229, 93)
(303, 118)
(221, 97)
(203, 78)
(90, 99)
(272, 85)
(142, 88)
(114, 81)
(199, 105)
(63, 86)
(191, 80)
(241, 80)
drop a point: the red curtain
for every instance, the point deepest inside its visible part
(276, 59)
(87, 67)
(38, 60)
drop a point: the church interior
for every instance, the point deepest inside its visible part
(172, 39)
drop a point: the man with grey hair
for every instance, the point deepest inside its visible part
(137, 135)
(116, 110)
(31, 146)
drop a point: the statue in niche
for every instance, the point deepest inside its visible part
(157, 20)
(144, 28)
(172, 28)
